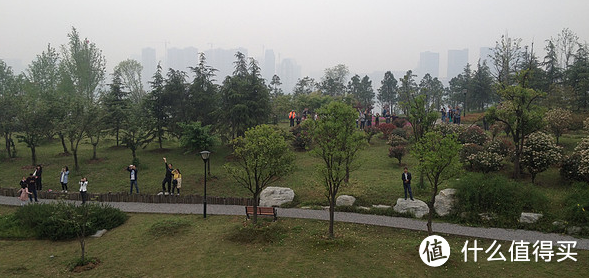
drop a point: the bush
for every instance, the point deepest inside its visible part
(302, 135)
(577, 121)
(494, 194)
(496, 129)
(401, 132)
(558, 121)
(473, 135)
(447, 129)
(370, 132)
(398, 147)
(43, 219)
(577, 205)
(400, 122)
(569, 168)
(539, 153)
(196, 138)
(501, 146)
(586, 124)
(485, 161)
(468, 150)
(386, 130)
(582, 150)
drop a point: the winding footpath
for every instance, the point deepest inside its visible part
(369, 219)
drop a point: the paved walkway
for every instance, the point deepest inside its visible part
(378, 220)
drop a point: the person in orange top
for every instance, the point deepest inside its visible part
(291, 116)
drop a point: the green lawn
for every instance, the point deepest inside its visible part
(204, 250)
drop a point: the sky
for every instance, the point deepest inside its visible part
(367, 36)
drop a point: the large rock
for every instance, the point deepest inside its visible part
(445, 201)
(345, 200)
(276, 196)
(417, 208)
(529, 218)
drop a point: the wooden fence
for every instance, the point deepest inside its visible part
(139, 198)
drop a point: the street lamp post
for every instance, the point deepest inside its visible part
(205, 158)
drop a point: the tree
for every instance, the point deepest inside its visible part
(84, 68)
(520, 115)
(275, 83)
(129, 71)
(481, 92)
(97, 127)
(203, 93)
(539, 153)
(433, 90)
(8, 106)
(155, 104)
(116, 106)
(439, 161)
(176, 103)
(137, 132)
(558, 121)
(337, 142)
(387, 92)
(361, 90)
(407, 90)
(34, 122)
(567, 42)
(196, 138)
(305, 86)
(506, 59)
(398, 147)
(263, 156)
(421, 116)
(77, 217)
(577, 77)
(333, 82)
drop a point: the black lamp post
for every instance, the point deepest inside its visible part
(464, 104)
(205, 158)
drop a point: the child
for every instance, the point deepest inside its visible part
(84, 189)
(177, 183)
(23, 191)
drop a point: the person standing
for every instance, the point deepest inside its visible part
(450, 114)
(457, 115)
(84, 189)
(369, 118)
(377, 120)
(406, 177)
(291, 117)
(177, 182)
(362, 120)
(133, 178)
(167, 178)
(63, 178)
(32, 187)
(443, 111)
(38, 172)
(23, 191)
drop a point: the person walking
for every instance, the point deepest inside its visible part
(84, 189)
(38, 178)
(406, 177)
(32, 187)
(167, 179)
(23, 191)
(177, 182)
(133, 178)
(63, 178)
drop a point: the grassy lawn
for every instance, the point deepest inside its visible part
(205, 249)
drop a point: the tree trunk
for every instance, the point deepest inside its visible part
(331, 215)
(430, 205)
(7, 144)
(159, 140)
(62, 138)
(255, 215)
(33, 155)
(117, 136)
(83, 247)
(94, 151)
(134, 154)
(77, 166)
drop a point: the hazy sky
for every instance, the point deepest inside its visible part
(365, 35)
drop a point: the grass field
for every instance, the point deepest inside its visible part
(207, 248)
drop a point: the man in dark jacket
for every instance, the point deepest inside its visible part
(133, 177)
(32, 184)
(167, 179)
(406, 177)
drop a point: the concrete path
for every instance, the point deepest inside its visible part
(369, 219)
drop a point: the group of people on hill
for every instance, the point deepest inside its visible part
(450, 115)
(365, 117)
(173, 179)
(293, 117)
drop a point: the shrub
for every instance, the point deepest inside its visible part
(582, 150)
(558, 121)
(474, 135)
(386, 130)
(577, 205)
(446, 129)
(196, 137)
(485, 161)
(370, 132)
(468, 150)
(302, 135)
(398, 147)
(400, 122)
(586, 124)
(401, 132)
(501, 146)
(539, 153)
(577, 121)
(569, 168)
(506, 199)
(496, 129)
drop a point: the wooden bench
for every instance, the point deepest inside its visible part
(264, 211)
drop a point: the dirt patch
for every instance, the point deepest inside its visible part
(96, 161)
(64, 154)
(88, 266)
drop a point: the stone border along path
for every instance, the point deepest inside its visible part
(369, 219)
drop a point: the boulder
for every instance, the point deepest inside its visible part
(345, 200)
(445, 201)
(487, 216)
(417, 208)
(574, 230)
(381, 206)
(530, 218)
(276, 196)
(99, 233)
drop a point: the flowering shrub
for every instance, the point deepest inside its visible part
(468, 150)
(446, 129)
(398, 147)
(474, 135)
(586, 124)
(539, 153)
(582, 150)
(558, 121)
(569, 168)
(386, 130)
(485, 161)
(400, 122)
(501, 146)
(302, 135)
(371, 131)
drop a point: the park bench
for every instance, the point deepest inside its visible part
(264, 211)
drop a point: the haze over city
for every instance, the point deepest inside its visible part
(368, 37)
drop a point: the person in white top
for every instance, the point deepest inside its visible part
(84, 189)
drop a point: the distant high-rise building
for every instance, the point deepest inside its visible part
(457, 60)
(269, 66)
(289, 72)
(149, 63)
(429, 62)
(222, 60)
(181, 59)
